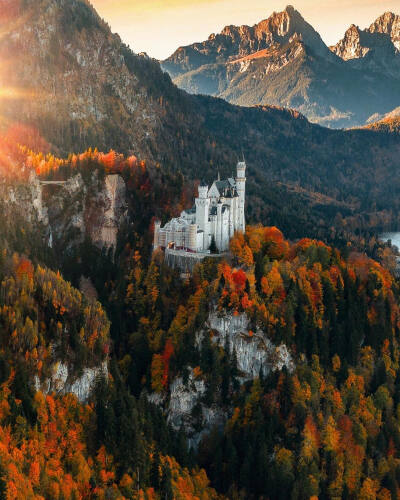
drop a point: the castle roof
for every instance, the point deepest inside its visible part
(225, 184)
(176, 224)
(226, 188)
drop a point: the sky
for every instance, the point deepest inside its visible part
(159, 27)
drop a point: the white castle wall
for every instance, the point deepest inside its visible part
(219, 212)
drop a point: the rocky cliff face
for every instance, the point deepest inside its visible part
(63, 380)
(72, 210)
(25, 199)
(94, 208)
(114, 202)
(254, 353)
(186, 409)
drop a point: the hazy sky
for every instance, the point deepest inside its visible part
(158, 27)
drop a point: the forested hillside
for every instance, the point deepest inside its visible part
(319, 421)
(54, 444)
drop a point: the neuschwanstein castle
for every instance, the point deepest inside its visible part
(217, 214)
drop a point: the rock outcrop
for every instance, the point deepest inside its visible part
(37, 199)
(114, 194)
(62, 381)
(254, 351)
(25, 199)
(70, 210)
(94, 207)
(186, 409)
(185, 404)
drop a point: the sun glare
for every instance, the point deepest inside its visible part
(7, 93)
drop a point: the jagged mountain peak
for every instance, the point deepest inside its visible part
(283, 61)
(283, 26)
(378, 42)
(389, 24)
(384, 23)
(353, 45)
(235, 42)
(283, 23)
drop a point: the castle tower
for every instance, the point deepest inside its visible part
(202, 213)
(157, 227)
(241, 189)
(218, 236)
(192, 240)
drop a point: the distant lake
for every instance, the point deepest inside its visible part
(394, 237)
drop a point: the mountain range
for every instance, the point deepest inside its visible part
(77, 85)
(283, 61)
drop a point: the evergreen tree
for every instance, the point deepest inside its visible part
(166, 492)
(213, 246)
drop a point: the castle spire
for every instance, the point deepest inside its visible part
(241, 189)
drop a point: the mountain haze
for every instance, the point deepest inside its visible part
(283, 61)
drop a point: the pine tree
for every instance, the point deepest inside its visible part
(155, 471)
(213, 246)
(166, 492)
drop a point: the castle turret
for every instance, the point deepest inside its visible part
(192, 240)
(218, 236)
(241, 189)
(202, 212)
(157, 227)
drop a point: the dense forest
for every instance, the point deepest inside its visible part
(324, 425)
(54, 446)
